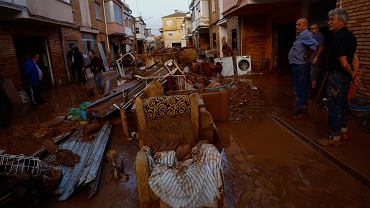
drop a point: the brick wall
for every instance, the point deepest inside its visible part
(233, 23)
(359, 24)
(253, 39)
(214, 16)
(9, 66)
(99, 24)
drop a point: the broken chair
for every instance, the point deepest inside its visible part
(164, 124)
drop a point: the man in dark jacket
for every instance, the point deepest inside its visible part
(33, 74)
(77, 63)
(96, 66)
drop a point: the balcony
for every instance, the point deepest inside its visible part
(202, 22)
(115, 29)
(140, 36)
(52, 11)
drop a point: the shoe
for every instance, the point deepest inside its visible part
(344, 134)
(331, 140)
(299, 114)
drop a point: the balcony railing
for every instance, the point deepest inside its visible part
(201, 22)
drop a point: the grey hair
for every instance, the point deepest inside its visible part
(340, 13)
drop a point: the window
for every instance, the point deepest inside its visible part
(88, 43)
(214, 41)
(137, 30)
(97, 10)
(234, 39)
(213, 6)
(169, 23)
(117, 13)
(170, 33)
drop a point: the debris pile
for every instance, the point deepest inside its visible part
(242, 96)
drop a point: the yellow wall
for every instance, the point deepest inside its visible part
(172, 25)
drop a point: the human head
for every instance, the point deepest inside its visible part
(91, 53)
(35, 57)
(338, 18)
(314, 28)
(301, 25)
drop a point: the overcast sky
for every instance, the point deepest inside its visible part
(153, 10)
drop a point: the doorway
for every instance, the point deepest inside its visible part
(25, 46)
(285, 37)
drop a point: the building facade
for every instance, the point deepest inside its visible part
(34, 26)
(200, 28)
(141, 45)
(173, 33)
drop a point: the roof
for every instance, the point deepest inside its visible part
(176, 14)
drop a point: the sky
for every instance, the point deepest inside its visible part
(153, 10)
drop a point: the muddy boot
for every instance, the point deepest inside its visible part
(330, 140)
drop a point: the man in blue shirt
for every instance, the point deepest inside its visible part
(33, 74)
(298, 56)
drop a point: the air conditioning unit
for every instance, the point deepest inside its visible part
(244, 65)
(227, 65)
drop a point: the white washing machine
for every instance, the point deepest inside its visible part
(227, 65)
(244, 65)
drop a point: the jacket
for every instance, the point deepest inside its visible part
(31, 73)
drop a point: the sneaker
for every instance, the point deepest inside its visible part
(331, 140)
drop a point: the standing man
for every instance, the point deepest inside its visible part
(33, 75)
(343, 65)
(78, 64)
(317, 59)
(298, 56)
(96, 66)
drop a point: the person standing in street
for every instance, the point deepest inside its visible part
(299, 56)
(317, 59)
(96, 66)
(343, 67)
(78, 64)
(33, 75)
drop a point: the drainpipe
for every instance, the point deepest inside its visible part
(106, 28)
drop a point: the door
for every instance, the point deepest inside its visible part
(285, 38)
(25, 46)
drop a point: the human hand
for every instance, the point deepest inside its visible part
(356, 79)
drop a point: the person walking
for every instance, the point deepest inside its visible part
(343, 67)
(33, 75)
(317, 59)
(302, 49)
(96, 66)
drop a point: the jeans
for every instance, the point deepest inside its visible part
(338, 84)
(301, 76)
(98, 81)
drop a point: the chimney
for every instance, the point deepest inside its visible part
(176, 10)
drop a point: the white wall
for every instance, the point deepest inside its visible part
(85, 13)
(53, 9)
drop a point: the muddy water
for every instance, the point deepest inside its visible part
(265, 166)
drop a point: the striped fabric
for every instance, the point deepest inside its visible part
(191, 183)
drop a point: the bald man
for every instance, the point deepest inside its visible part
(303, 47)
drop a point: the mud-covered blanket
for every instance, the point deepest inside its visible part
(191, 183)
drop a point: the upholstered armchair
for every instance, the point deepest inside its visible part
(164, 123)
